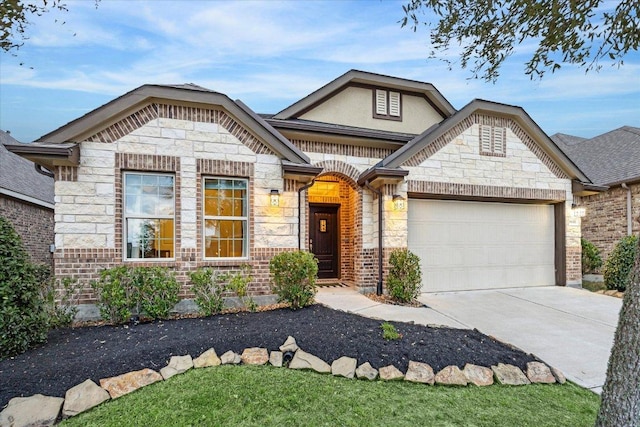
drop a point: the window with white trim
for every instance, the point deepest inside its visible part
(387, 104)
(149, 216)
(226, 218)
(493, 140)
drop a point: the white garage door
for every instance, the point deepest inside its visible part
(479, 245)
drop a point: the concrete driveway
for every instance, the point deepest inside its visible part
(571, 329)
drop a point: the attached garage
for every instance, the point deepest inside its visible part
(482, 245)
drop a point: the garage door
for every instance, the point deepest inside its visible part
(480, 245)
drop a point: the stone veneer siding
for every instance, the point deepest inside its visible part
(34, 225)
(606, 220)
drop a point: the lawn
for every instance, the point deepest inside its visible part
(267, 396)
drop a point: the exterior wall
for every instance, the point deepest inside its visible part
(34, 224)
(606, 220)
(89, 198)
(354, 107)
(452, 166)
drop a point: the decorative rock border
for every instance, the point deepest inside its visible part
(45, 410)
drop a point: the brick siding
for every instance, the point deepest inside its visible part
(34, 224)
(606, 220)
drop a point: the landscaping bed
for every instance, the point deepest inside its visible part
(73, 355)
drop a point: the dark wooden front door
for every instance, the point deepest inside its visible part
(323, 239)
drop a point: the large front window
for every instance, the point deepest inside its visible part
(149, 216)
(225, 218)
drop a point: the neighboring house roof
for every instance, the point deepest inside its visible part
(19, 177)
(608, 159)
(98, 119)
(517, 114)
(352, 77)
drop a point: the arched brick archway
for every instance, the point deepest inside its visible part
(336, 190)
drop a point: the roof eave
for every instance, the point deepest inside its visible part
(48, 155)
(378, 176)
(300, 173)
(584, 189)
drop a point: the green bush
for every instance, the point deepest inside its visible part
(238, 282)
(405, 277)
(23, 320)
(157, 291)
(619, 264)
(293, 276)
(591, 258)
(389, 332)
(124, 291)
(208, 286)
(60, 297)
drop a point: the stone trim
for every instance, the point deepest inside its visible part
(179, 112)
(486, 191)
(466, 123)
(341, 149)
(66, 173)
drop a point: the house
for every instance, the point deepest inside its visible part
(184, 177)
(26, 200)
(610, 160)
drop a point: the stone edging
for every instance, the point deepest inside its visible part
(45, 410)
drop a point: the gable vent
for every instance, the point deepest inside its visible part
(493, 140)
(381, 102)
(394, 104)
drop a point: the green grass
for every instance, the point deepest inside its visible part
(593, 286)
(267, 396)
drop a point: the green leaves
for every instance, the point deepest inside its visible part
(405, 277)
(619, 264)
(487, 33)
(591, 259)
(294, 277)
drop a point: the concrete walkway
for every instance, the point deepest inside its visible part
(571, 329)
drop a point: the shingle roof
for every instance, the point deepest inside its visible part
(607, 159)
(19, 175)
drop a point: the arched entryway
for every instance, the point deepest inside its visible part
(334, 224)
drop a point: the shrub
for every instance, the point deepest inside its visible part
(293, 276)
(115, 290)
(238, 283)
(619, 264)
(389, 332)
(157, 291)
(60, 297)
(403, 282)
(124, 291)
(23, 321)
(591, 259)
(208, 286)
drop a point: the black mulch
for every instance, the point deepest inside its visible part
(73, 355)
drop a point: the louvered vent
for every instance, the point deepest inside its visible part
(381, 102)
(394, 104)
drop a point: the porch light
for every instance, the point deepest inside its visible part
(577, 211)
(398, 202)
(275, 198)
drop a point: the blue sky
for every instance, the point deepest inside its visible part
(270, 54)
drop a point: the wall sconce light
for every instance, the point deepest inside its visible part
(275, 198)
(398, 202)
(577, 211)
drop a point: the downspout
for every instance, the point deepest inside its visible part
(379, 193)
(629, 211)
(300, 190)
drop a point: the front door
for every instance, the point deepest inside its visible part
(323, 239)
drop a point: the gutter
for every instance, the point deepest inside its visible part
(367, 184)
(629, 209)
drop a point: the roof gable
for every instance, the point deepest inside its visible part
(441, 134)
(190, 102)
(356, 77)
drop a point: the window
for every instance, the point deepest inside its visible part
(387, 104)
(149, 216)
(493, 140)
(225, 218)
